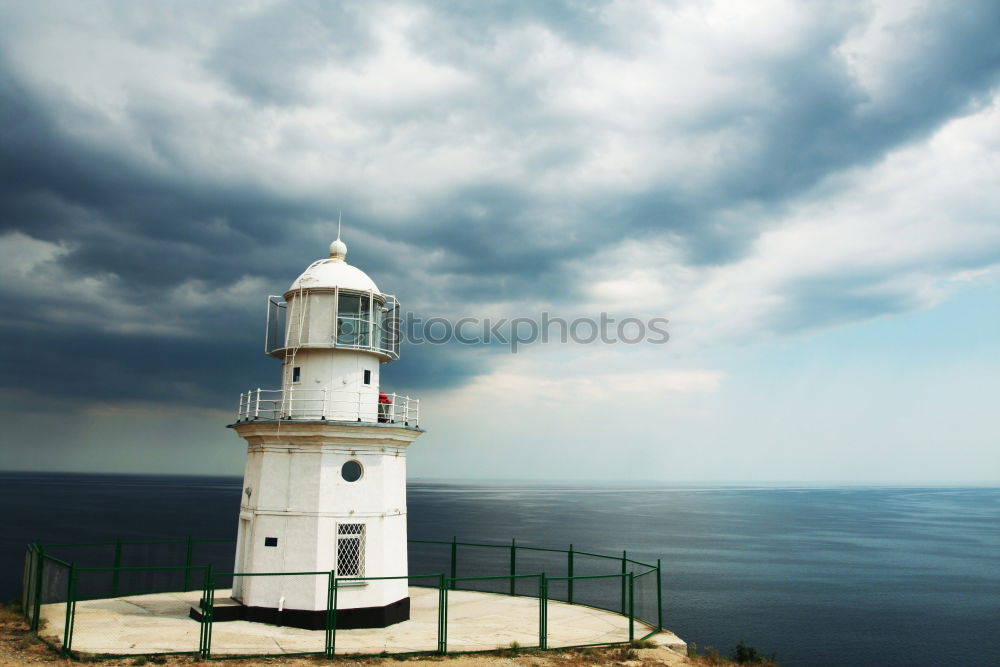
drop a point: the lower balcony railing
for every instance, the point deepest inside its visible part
(328, 404)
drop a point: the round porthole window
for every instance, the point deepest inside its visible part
(351, 471)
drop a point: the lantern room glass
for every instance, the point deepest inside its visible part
(361, 321)
(354, 320)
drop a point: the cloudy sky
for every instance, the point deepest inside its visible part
(809, 192)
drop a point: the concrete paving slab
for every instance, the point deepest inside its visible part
(476, 621)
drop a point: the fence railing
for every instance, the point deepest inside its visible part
(54, 587)
(328, 404)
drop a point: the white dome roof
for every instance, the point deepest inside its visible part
(334, 272)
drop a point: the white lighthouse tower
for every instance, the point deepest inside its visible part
(325, 481)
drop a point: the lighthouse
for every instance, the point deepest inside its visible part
(324, 488)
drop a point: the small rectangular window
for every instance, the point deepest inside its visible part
(351, 550)
(368, 377)
(270, 541)
(296, 373)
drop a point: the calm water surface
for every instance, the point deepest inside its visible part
(822, 576)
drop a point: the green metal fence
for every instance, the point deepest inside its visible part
(541, 582)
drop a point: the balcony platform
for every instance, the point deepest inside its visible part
(325, 422)
(159, 623)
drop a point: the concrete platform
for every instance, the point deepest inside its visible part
(476, 622)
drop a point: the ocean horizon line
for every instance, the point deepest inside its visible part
(573, 483)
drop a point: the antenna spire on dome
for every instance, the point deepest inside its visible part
(338, 249)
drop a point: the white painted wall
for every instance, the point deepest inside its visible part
(341, 373)
(298, 495)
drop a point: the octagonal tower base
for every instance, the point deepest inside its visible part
(321, 497)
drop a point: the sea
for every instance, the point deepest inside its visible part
(885, 575)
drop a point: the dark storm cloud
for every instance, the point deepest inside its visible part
(207, 371)
(128, 219)
(498, 245)
(820, 121)
(818, 303)
(151, 231)
(87, 366)
(157, 225)
(456, 30)
(824, 121)
(423, 367)
(264, 55)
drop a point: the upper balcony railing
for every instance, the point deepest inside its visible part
(328, 405)
(333, 318)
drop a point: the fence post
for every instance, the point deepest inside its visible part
(513, 564)
(37, 602)
(454, 561)
(442, 615)
(624, 585)
(210, 614)
(28, 580)
(331, 613)
(70, 604)
(543, 612)
(117, 565)
(333, 636)
(201, 606)
(631, 607)
(659, 597)
(187, 564)
(569, 573)
(207, 612)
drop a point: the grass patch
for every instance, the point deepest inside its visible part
(510, 650)
(624, 653)
(748, 655)
(742, 654)
(11, 612)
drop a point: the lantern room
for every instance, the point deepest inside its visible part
(332, 329)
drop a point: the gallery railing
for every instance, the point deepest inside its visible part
(327, 404)
(54, 585)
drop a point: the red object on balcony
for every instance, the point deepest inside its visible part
(382, 398)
